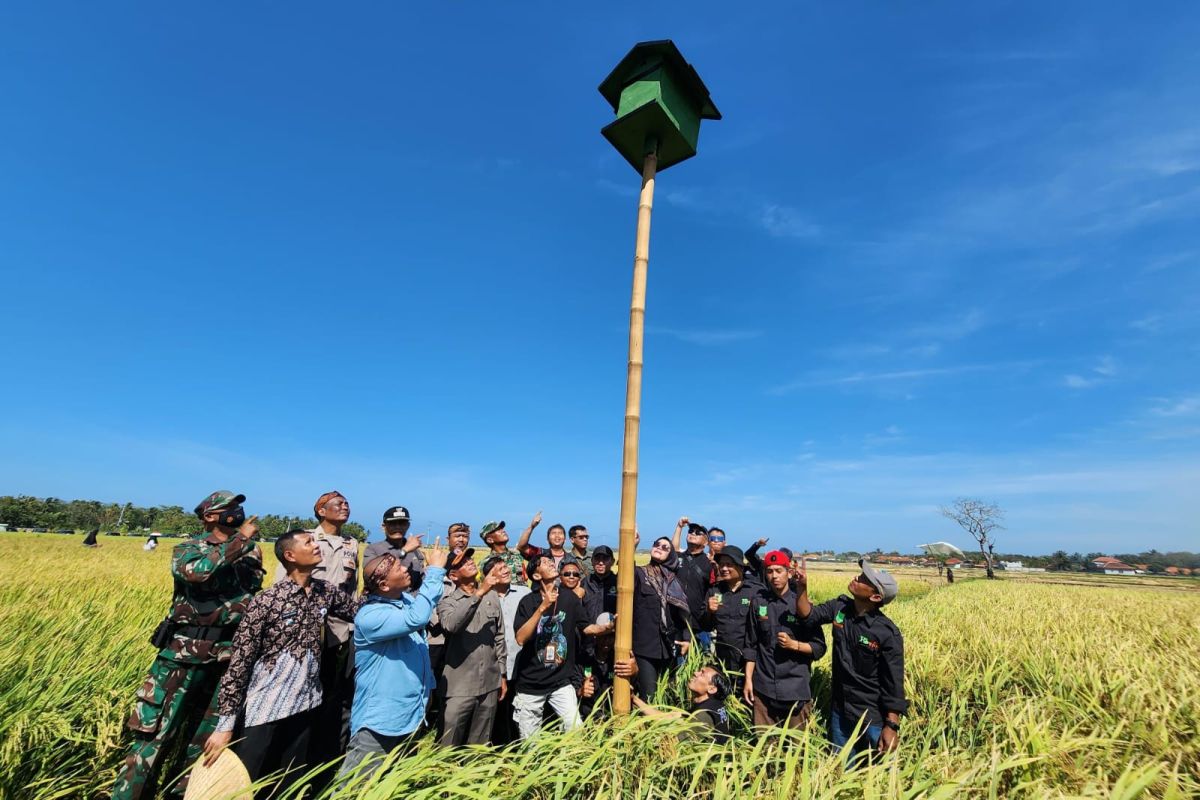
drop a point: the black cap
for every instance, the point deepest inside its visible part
(603, 550)
(734, 553)
(458, 559)
(396, 514)
(694, 528)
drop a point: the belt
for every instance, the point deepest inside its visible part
(209, 633)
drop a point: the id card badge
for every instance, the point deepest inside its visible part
(550, 656)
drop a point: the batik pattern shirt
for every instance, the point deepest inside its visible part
(214, 583)
(338, 567)
(275, 668)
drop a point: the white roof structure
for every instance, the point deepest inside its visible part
(941, 549)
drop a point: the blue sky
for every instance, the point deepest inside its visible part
(929, 252)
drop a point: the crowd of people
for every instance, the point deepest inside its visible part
(483, 648)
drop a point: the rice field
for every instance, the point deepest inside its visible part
(1019, 688)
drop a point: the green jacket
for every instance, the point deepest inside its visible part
(214, 582)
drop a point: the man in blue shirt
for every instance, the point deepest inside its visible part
(394, 679)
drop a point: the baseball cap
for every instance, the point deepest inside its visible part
(396, 514)
(458, 559)
(489, 528)
(219, 501)
(602, 550)
(734, 553)
(694, 528)
(776, 558)
(884, 583)
(490, 564)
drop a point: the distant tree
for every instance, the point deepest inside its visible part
(979, 519)
(1059, 561)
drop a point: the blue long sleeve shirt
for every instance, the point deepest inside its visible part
(394, 679)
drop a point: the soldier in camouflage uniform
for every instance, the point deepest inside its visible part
(216, 575)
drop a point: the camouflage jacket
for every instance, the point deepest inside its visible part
(214, 583)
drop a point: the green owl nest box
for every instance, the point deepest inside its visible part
(659, 99)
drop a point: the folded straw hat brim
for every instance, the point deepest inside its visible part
(226, 779)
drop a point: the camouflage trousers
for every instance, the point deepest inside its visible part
(176, 711)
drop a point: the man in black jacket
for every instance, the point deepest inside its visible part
(868, 660)
(780, 649)
(600, 587)
(695, 573)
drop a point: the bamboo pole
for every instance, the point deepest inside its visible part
(633, 421)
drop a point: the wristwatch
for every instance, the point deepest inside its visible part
(887, 723)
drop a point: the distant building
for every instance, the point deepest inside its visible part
(1115, 567)
(1019, 566)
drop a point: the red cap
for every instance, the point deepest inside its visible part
(777, 558)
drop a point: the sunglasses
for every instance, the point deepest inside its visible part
(571, 574)
(583, 536)
(716, 538)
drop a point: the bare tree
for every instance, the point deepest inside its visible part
(979, 519)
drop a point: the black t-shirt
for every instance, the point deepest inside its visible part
(711, 712)
(560, 629)
(695, 575)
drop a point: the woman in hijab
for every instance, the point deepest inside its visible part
(90, 539)
(660, 616)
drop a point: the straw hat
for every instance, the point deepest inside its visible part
(226, 779)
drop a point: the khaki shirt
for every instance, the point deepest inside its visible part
(338, 567)
(476, 654)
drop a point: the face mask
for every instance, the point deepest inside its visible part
(232, 518)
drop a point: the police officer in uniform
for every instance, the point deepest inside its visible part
(216, 574)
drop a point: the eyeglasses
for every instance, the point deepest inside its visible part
(571, 574)
(583, 536)
(716, 538)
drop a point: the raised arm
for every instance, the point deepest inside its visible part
(804, 606)
(195, 562)
(456, 610)
(523, 540)
(527, 628)
(677, 537)
(378, 623)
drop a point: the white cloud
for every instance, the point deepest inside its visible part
(1178, 407)
(1107, 367)
(787, 222)
(888, 376)
(1104, 370)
